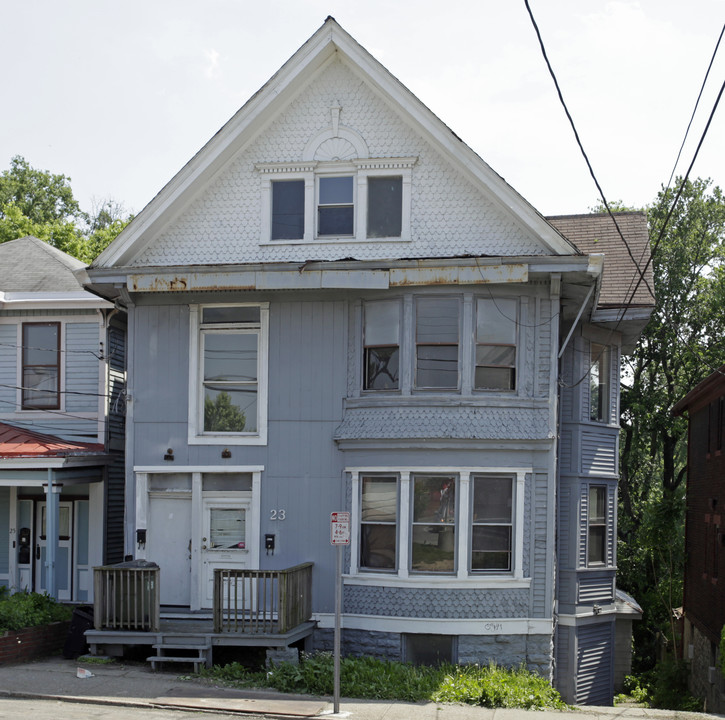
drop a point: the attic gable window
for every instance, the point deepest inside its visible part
(335, 201)
(288, 209)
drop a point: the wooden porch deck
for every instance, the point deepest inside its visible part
(252, 608)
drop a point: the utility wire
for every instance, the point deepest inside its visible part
(697, 102)
(581, 147)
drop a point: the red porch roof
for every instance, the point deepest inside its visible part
(19, 442)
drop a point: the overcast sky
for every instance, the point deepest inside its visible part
(119, 94)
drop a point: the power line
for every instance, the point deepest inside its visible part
(581, 146)
(697, 102)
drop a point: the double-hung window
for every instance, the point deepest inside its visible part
(599, 372)
(379, 523)
(492, 523)
(288, 209)
(437, 331)
(465, 523)
(496, 324)
(385, 207)
(597, 525)
(381, 341)
(433, 527)
(229, 399)
(41, 366)
(335, 206)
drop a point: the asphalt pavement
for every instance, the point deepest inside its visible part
(136, 685)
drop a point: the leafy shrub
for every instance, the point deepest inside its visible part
(28, 609)
(496, 687)
(663, 687)
(722, 651)
(376, 679)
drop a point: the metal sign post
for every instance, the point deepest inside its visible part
(339, 536)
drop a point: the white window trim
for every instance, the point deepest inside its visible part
(196, 434)
(361, 170)
(464, 576)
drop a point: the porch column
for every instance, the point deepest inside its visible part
(51, 534)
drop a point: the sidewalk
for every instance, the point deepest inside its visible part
(138, 686)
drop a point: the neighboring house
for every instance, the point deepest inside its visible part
(704, 597)
(62, 367)
(336, 305)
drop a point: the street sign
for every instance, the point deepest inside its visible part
(340, 528)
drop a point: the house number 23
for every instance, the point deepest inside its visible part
(277, 514)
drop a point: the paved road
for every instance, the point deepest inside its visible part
(32, 709)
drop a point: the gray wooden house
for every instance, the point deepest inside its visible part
(62, 373)
(336, 305)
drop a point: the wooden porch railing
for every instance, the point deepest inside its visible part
(126, 598)
(262, 601)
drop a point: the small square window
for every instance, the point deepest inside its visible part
(288, 209)
(385, 207)
(422, 649)
(335, 209)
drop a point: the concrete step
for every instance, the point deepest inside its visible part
(197, 662)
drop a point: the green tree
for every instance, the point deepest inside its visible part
(41, 196)
(221, 415)
(680, 346)
(41, 203)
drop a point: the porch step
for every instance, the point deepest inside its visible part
(199, 645)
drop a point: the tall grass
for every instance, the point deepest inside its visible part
(376, 679)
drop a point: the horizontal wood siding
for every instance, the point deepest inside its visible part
(596, 589)
(8, 367)
(598, 453)
(82, 346)
(595, 664)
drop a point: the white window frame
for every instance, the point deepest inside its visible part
(463, 575)
(310, 172)
(196, 433)
(604, 523)
(602, 359)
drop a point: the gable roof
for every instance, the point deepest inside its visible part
(597, 233)
(31, 265)
(329, 42)
(18, 442)
(35, 275)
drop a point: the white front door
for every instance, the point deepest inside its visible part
(225, 539)
(63, 554)
(168, 543)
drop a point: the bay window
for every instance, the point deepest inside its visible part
(462, 523)
(381, 342)
(597, 525)
(378, 523)
(492, 523)
(599, 372)
(496, 324)
(433, 530)
(436, 342)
